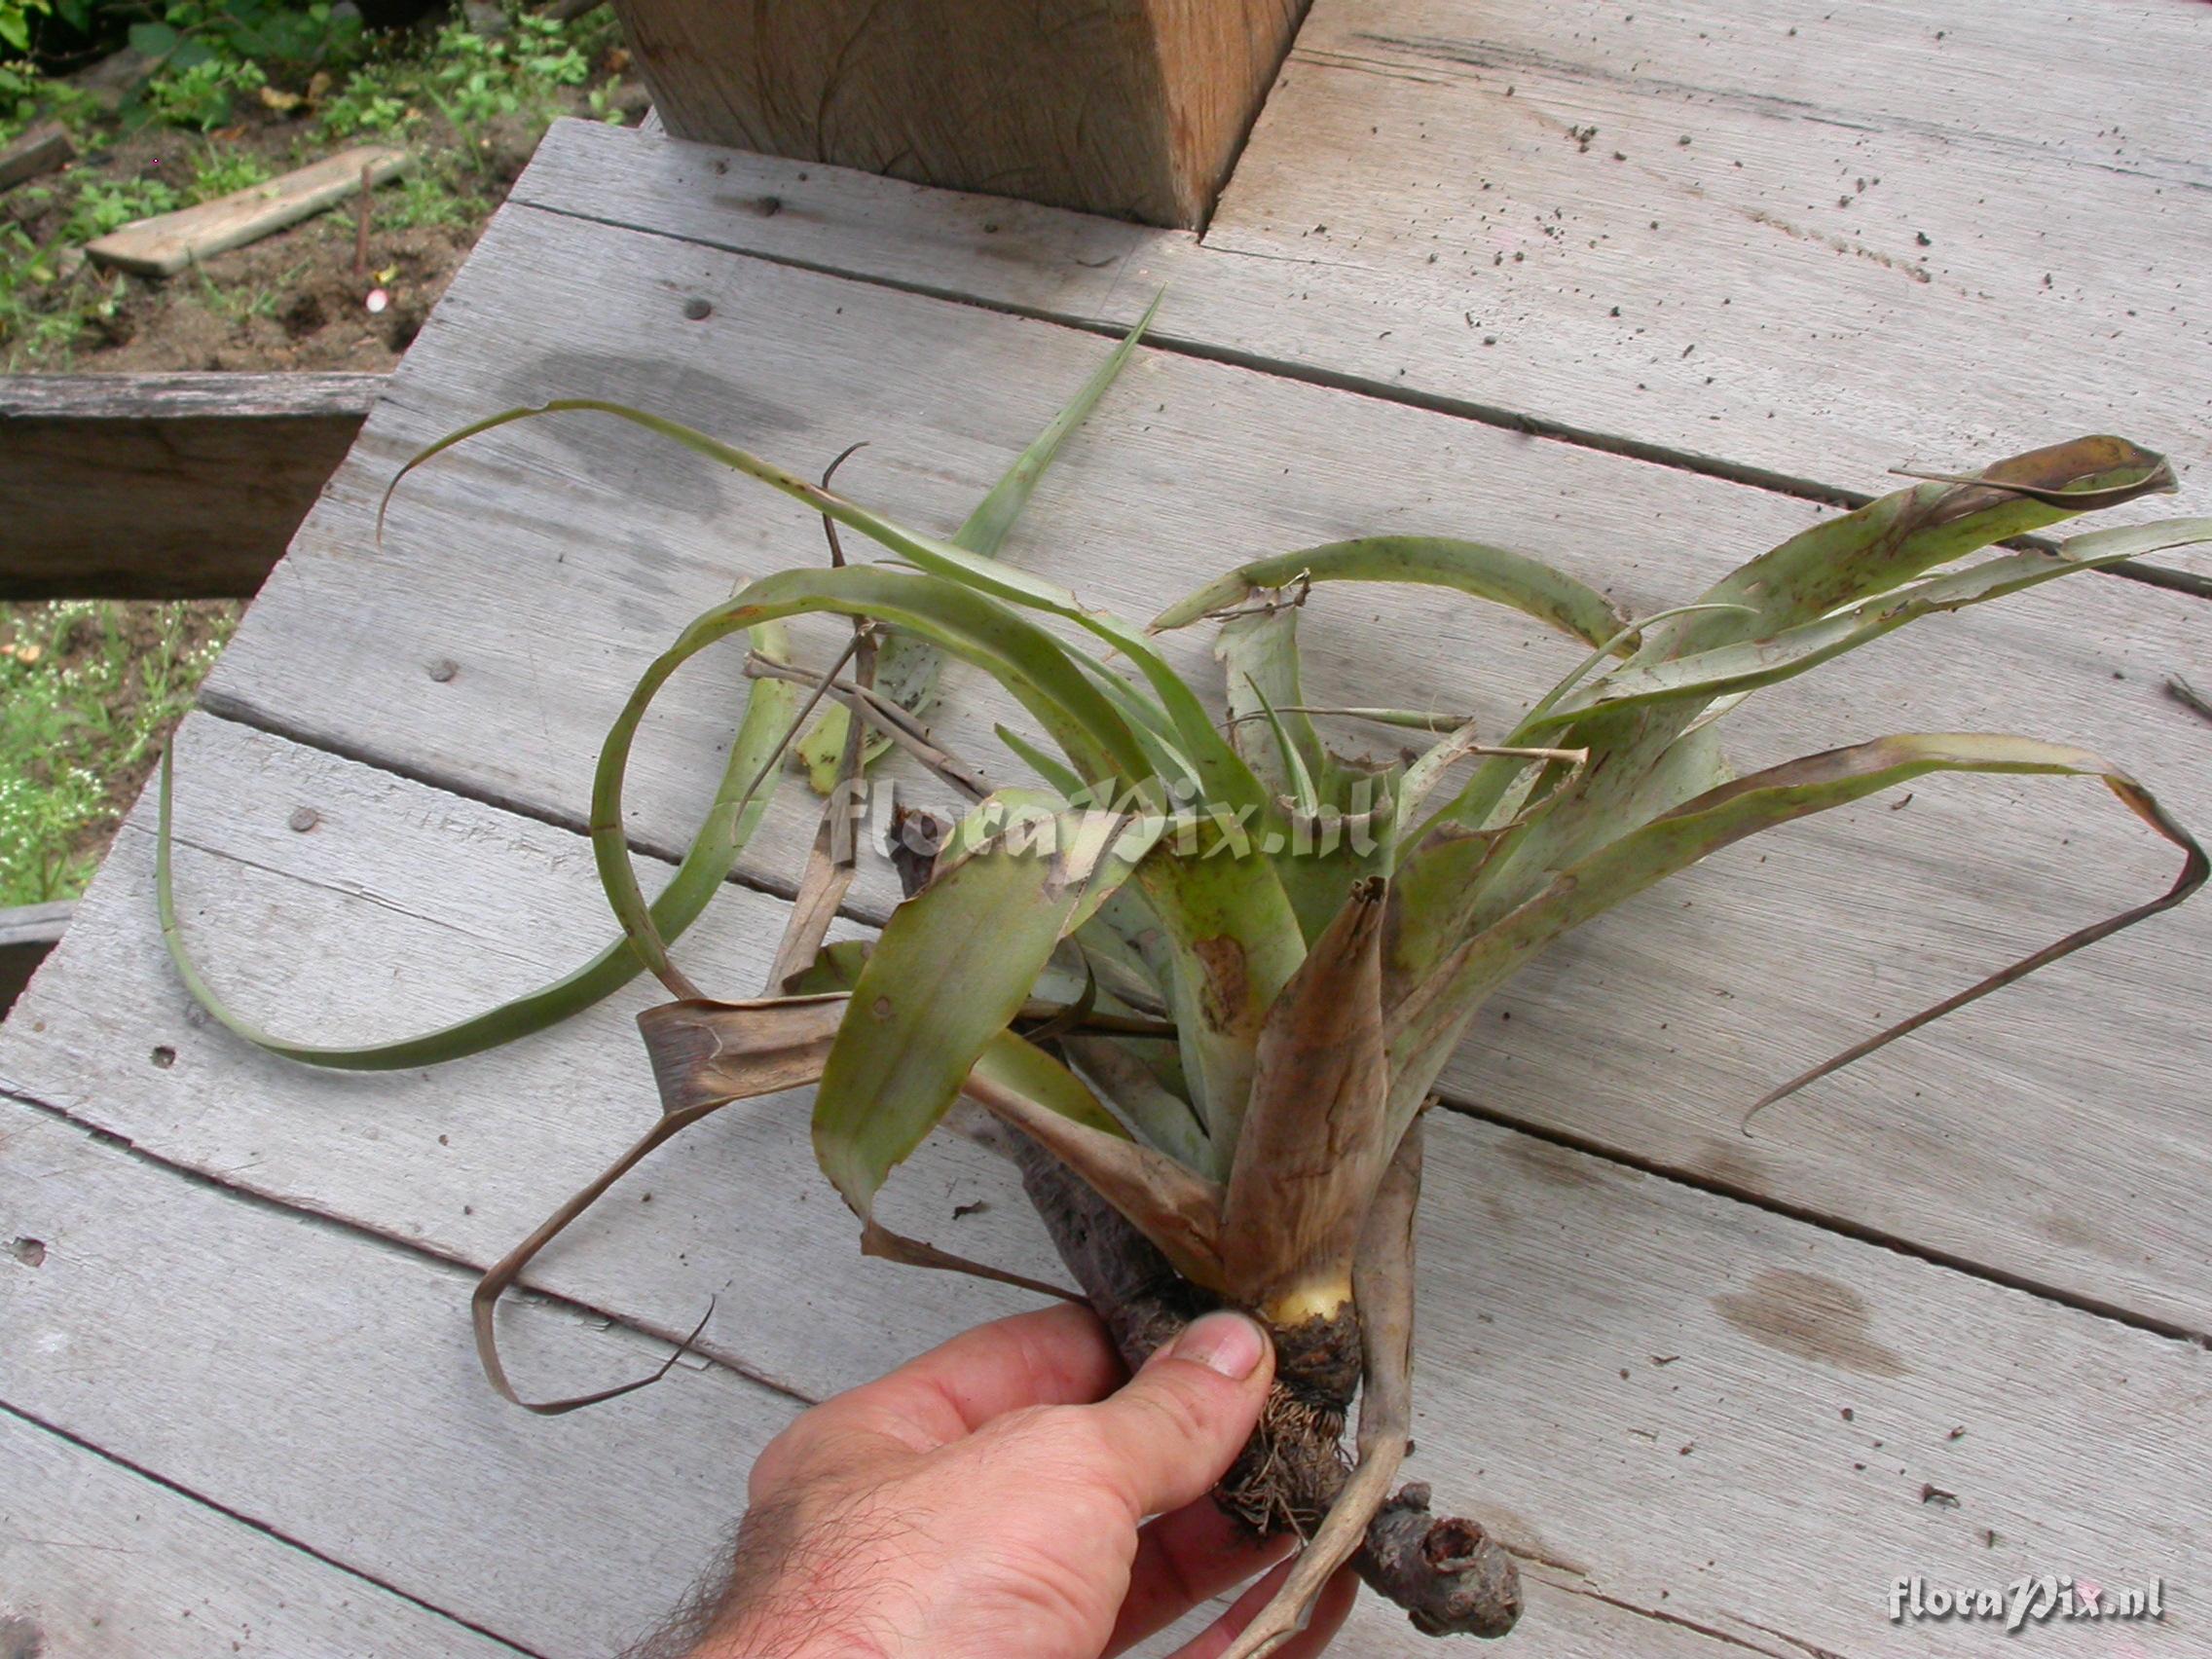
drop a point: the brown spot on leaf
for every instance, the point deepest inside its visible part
(1226, 991)
(1811, 1318)
(881, 1007)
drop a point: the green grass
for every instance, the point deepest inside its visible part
(87, 691)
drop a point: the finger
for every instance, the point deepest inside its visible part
(1330, 1611)
(1168, 1435)
(1187, 1556)
(1053, 1357)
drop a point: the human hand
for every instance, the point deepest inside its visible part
(974, 1504)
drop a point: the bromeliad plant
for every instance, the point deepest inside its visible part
(1202, 980)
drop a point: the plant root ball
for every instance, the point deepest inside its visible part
(1292, 1468)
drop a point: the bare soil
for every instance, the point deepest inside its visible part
(294, 300)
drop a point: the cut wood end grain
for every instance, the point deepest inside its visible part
(168, 243)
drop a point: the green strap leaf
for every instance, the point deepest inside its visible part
(1910, 532)
(747, 781)
(1425, 1024)
(1053, 771)
(1474, 568)
(908, 669)
(1233, 938)
(1727, 670)
(995, 515)
(1029, 662)
(949, 974)
(1226, 779)
(1267, 724)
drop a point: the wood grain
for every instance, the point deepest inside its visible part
(98, 1561)
(1718, 1482)
(1931, 371)
(172, 486)
(168, 243)
(1834, 238)
(320, 1382)
(538, 569)
(1133, 108)
(496, 1496)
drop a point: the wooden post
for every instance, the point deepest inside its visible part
(1134, 108)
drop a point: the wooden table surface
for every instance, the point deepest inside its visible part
(1943, 1314)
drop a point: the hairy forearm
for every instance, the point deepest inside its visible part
(796, 1587)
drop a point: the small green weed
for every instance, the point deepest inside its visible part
(221, 168)
(435, 193)
(371, 102)
(205, 96)
(104, 204)
(238, 302)
(26, 96)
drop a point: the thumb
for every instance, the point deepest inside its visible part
(1176, 1428)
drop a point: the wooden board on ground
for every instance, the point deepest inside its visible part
(100, 1562)
(496, 676)
(168, 243)
(172, 486)
(40, 149)
(1594, 1343)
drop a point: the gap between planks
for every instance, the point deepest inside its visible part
(1583, 1634)
(559, 533)
(526, 1290)
(1719, 467)
(31, 1419)
(395, 824)
(871, 916)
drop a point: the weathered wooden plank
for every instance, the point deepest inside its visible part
(168, 243)
(27, 932)
(1134, 108)
(37, 150)
(164, 486)
(1814, 238)
(379, 1446)
(1546, 1274)
(1933, 371)
(323, 1383)
(586, 549)
(100, 1561)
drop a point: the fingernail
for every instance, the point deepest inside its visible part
(1227, 1343)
